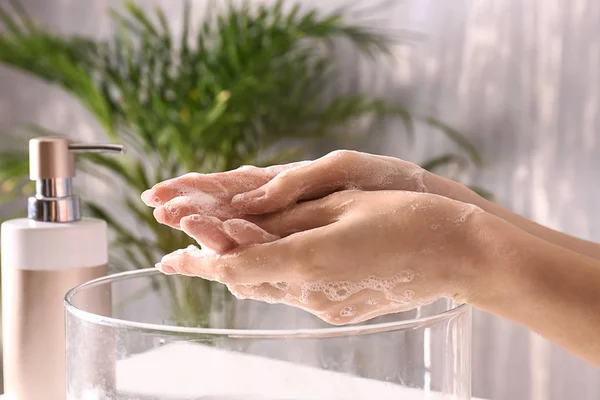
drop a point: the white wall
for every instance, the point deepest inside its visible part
(521, 76)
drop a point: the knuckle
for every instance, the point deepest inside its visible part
(344, 156)
(186, 179)
(248, 169)
(283, 177)
(278, 189)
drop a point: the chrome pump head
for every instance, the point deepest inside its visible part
(52, 166)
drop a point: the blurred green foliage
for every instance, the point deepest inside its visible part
(250, 78)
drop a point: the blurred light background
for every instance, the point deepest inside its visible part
(521, 78)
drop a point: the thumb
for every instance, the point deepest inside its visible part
(306, 182)
(208, 232)
(273, 196)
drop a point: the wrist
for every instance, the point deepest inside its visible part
(494, 266)
(439, 185)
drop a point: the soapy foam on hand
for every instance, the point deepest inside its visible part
(199, 202)
(340, 291)
(400, 296)
(348, 311)
(377, 172)
(245, 232)
(334, 291)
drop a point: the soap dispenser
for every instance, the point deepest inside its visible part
(43, 256)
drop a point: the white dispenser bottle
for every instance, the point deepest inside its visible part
(43, 256)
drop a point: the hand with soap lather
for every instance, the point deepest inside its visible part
(351, 236)
(347, 257)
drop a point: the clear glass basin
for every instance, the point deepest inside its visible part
(145, 335)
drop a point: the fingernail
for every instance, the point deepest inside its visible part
(159, 214)
(167, 269)
(150, 199)
(146, 196)
(248, 196)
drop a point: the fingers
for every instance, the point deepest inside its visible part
(208, 232)
(256, 263)
(269, 262)
(336, 171)
(223, 185)
(277, 169)
(218, 236)
(169, 189)
(300, 257)
(311, 180)
(246, 233)
(199, 203)
(308, 215)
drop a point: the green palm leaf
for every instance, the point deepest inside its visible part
(252, 79)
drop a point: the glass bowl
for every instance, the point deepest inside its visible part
(145, 335)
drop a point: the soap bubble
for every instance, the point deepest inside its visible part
(348, 311)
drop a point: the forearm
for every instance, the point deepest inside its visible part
(549, 289)
(454, 190)
(572, 243)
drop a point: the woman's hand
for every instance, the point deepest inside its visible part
(358, 255)
(348, 257)
(251, 190)
(207, 194)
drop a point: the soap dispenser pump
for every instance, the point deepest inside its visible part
(43, 256)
